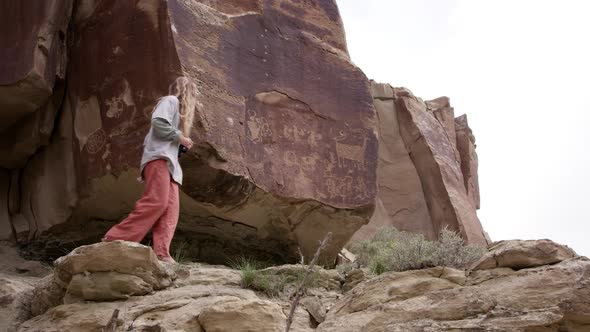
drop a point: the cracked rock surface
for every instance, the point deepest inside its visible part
(541, 298)
(547, 298)
(285, 130)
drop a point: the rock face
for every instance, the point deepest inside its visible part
(249, 315)
(428, 133)
(469, 163)
(287, 149)
(544, 298)
(17, 277)
(401, 201)
(32, 71)
(209, 298)
(521, 254)
(203, 298)
(427, 168)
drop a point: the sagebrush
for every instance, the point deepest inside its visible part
(393, 250)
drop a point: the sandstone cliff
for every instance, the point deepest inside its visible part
(286, 128)
(427, 168)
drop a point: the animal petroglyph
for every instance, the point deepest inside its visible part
(346, 151)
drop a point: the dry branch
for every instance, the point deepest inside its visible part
(308, 270)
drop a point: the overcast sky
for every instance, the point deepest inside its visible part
(520, 70)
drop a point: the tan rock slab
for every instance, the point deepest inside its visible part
(247, 316)
(520, 254)
(545, 298)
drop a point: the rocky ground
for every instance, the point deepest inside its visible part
(516, 286)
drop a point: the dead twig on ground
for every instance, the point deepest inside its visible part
(308, 270)
(112, 324)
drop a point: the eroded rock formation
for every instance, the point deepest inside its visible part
(546, 288)
(507, 298)
(287, 146)
(401, 201)
(427, 168)
(202, 297)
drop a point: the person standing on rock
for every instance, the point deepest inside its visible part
(158, 208)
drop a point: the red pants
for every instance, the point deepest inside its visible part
(157, 209)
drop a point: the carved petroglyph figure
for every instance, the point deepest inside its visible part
(339, 186)
(360, 189)
(306, 163)
(347, 151)
(296, 134)
(290, 158)
(258, 127)
(309, 163)
(96, 141)
(117, 104)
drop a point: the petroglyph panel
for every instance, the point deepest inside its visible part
(312, 155)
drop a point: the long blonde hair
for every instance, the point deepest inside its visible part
(186, 91)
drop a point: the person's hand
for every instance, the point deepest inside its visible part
(186, 141)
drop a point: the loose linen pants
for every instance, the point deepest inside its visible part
(157, 209)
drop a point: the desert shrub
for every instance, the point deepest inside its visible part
(393, 250)
(450, 250)
(344, 268)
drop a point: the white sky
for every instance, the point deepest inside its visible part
(520, 70)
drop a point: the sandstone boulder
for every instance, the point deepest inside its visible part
(520, 254)
(428, 132)
(12, 289)
(315, 307)
(545, 298)
(353, 278)
(198, 274)
(286, 128)
(247, 316)
(105, 271)
(18, 279)
(111, 270)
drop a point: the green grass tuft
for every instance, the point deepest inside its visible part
(180, 253)
(268, 282)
